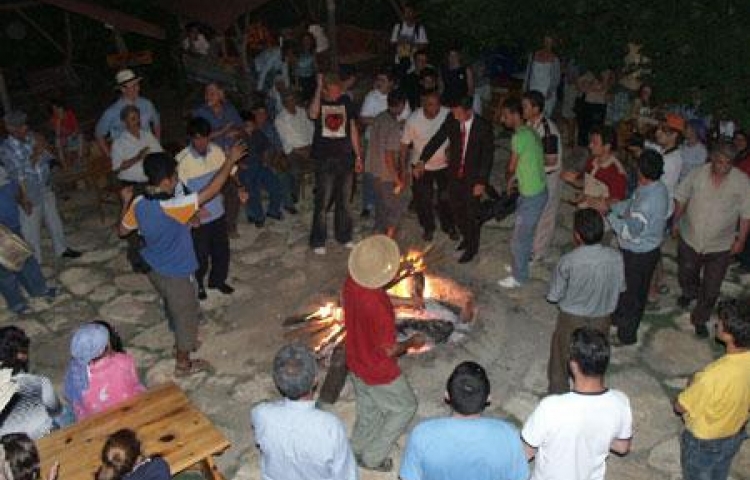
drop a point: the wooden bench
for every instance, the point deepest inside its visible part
(166, 423)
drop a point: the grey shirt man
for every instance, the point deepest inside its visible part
(712, 212)
(588, 280)
(385, 136)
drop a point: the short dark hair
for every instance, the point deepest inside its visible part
(513, 104)
(158, 166)
(588, 224)
(127, 110)
(22, 456)
(536, 99)
(396, 97)
(387, 71)
(119, 455)
(468, 388)
(198, 127)
(421, 51)
(734, 315)
(606, 133)
(464, 101)
(294, 371)
(14, 342)
(651, 164)
(589, 348)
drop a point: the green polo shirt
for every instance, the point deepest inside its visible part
(530, 169)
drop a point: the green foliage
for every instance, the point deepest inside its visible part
(694, 45)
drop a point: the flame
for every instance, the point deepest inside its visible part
(414, 259)
(325, 311)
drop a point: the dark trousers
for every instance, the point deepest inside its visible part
(559, 347)
(333, 181)
(465, 208)
(430, 194)
(639, 268)
(706, 287)
(256, 178)
(211, 242)
(231, 204)
(591, 115)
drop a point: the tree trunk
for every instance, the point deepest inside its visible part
(334, 50)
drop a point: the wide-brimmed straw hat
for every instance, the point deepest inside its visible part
(126, 76)
(374, 261)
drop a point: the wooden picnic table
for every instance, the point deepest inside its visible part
(163, 418)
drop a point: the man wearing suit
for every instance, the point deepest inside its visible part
(471, 151)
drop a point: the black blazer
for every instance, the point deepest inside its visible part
(480, 149)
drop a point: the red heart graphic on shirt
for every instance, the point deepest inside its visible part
(334, 121)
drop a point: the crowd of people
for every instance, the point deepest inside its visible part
(418, 130)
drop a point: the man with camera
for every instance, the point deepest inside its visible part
(532, 104)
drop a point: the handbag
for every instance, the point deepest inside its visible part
(14, 251)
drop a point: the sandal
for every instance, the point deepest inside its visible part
(196, 365)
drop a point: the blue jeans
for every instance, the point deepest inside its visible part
(368, 191)
(708, 459)
(528, 212)
(30, 277)
(256, 178)
(333, 180)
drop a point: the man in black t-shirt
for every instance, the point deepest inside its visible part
(338, 154)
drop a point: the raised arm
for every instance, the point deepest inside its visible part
(212, 189)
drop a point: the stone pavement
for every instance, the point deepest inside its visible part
(276, 275)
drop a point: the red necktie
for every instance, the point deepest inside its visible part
(463, 151)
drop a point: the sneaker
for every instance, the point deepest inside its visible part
(319, 250)
(349, 245)
(701, 331)
(509, 282)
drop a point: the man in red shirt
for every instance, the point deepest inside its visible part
(385, 401)
(604, 177)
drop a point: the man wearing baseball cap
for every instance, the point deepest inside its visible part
(110, 126)
(385, 401)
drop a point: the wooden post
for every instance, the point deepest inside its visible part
(334, 51)
(4, 97)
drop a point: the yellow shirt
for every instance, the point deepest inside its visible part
(717, 403)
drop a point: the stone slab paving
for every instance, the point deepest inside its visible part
(276, 275)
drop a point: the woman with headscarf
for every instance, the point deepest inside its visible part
(98, 377)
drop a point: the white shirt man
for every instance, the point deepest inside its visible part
(419, 130)
(127, 146)
(295, 129)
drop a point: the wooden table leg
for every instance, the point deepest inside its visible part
(210, 470)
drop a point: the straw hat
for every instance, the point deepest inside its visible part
(126, 76)
(374, 261)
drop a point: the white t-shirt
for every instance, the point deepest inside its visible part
(419, 130)
(573, 433)
(321, 40)
(553, 130)
(126, 146)
(672, 168)
(407, 32)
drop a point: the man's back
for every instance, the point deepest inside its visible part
(298, 441)
(573, 433)
(472, 448)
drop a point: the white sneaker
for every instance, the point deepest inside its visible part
(509, 282)
(319, 251)
(349, 245)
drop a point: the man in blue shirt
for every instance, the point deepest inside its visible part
(111, 126)
(26, 158)
(466, 444)
(30, 276)
(639, 224)
(164, 222)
